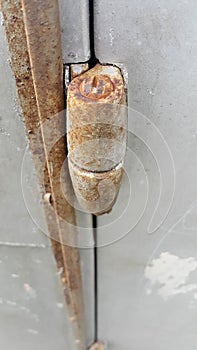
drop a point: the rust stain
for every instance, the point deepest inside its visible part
(96, 130)
(33, 35)
(96, 87)
(103, 74)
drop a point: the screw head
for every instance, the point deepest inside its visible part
(96, 87)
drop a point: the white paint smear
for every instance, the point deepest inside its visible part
(171, 272)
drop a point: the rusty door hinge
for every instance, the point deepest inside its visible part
(97, 136)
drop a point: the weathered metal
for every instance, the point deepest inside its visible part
(33, 35)
(97, 346)
(77, 69)
(97, 136)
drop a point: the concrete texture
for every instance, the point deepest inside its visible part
(147, 282)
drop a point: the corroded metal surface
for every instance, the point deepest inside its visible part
(97, 346)
(96, 192)
(33, 35)
(99, 74)
(97, 136)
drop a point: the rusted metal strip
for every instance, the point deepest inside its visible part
(33, 35)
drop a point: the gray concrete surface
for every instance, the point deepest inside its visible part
(16, 223)
(32, 310)
(147, 282)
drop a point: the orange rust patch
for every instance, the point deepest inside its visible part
(96, 87)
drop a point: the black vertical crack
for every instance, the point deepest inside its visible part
(93, 60)
(94, 225)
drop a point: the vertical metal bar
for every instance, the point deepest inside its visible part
(33, 34)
